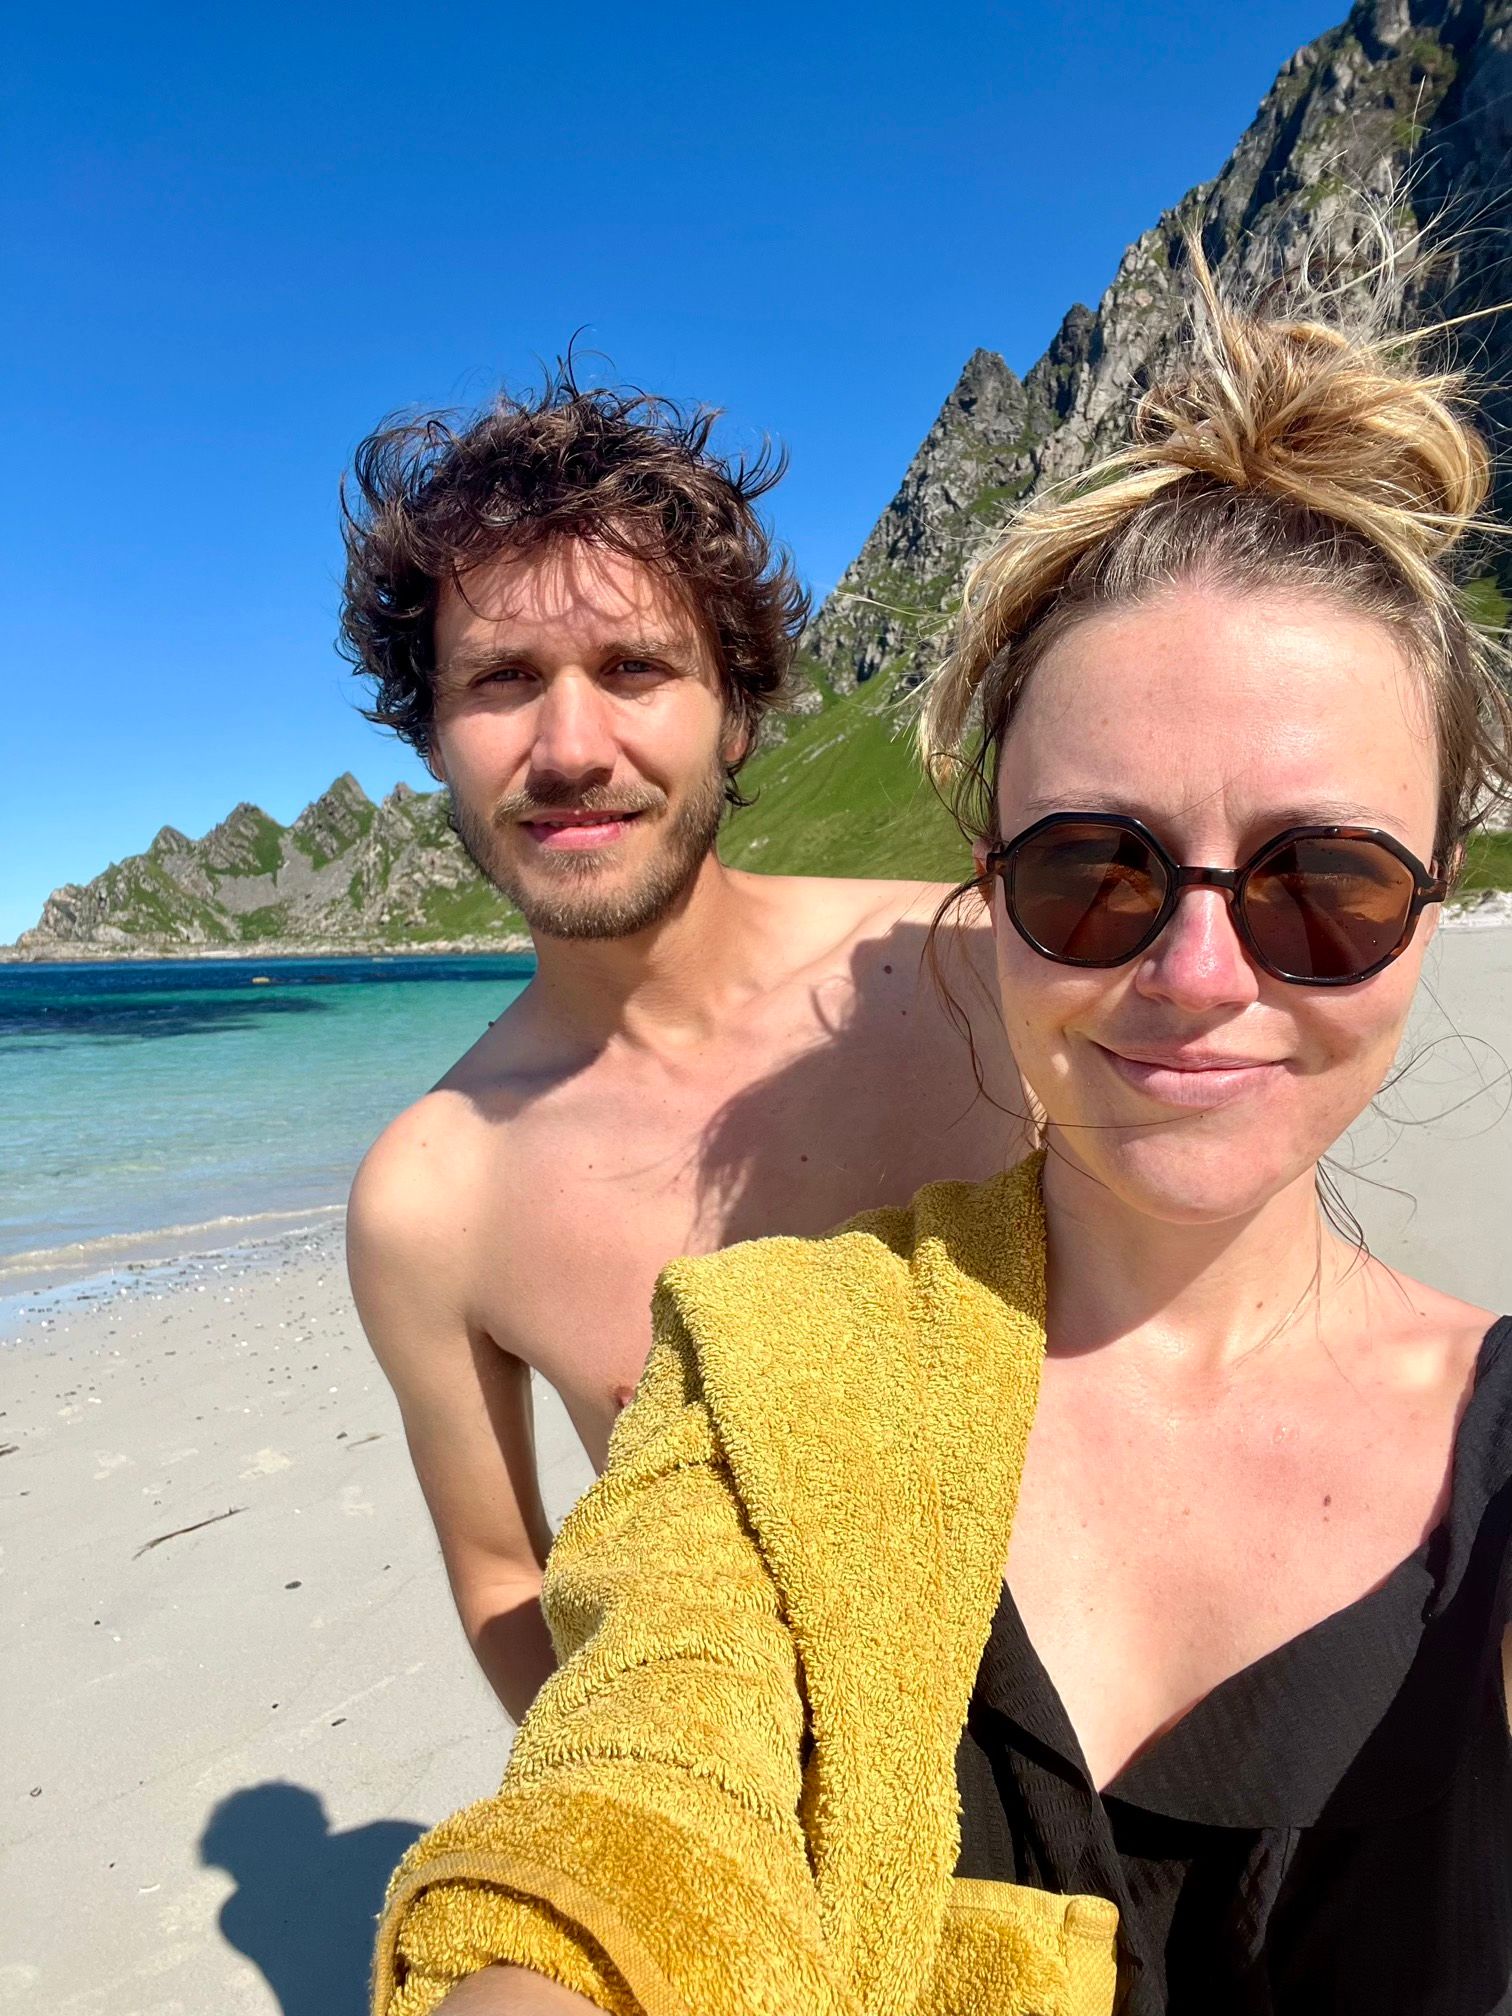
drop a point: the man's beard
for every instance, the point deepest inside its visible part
(562, 898)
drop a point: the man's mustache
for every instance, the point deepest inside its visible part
(518, 807)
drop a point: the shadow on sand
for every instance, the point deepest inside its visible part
(306, 1900)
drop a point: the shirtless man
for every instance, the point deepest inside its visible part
(573, 611)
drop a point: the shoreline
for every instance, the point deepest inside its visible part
(39, 1288)
(515, 945)
(1478, 910)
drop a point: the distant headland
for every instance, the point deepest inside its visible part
(347, 877)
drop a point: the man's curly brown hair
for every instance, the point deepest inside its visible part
(431, 498)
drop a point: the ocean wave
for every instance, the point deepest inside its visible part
(164, 1242)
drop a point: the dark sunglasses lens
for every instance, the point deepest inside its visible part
(1086, 892)
(1322, 909)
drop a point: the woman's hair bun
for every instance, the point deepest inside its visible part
(1337, 420)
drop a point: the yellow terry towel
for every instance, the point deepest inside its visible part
(737, 1796)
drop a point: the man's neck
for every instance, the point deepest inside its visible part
(666, 986)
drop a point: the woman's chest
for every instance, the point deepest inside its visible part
(1160, 1549)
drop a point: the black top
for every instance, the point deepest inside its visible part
(1331, 1829)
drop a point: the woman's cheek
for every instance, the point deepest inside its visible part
(1353, 1044)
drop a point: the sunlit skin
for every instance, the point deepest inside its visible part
(1243, 1426)
(1218, 722)
(578, 719)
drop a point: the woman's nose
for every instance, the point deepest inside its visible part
(1198, 960)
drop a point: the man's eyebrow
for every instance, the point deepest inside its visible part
(470, 659)
(647, 645)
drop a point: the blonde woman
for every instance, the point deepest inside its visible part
(1223, 1728)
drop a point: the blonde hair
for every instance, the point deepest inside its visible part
(1294, 453)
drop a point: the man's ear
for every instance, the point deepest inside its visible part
(433, 763)
(736, 741)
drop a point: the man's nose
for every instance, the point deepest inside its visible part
(574, 736)
(1198, 961)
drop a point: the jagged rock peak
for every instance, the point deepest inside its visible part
(241, 822)
(243, 843)
(345, 791)
(985, 376)
(335, 818)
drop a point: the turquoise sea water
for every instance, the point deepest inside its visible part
(142, 1098)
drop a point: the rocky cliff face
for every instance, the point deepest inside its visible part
(346, 874)
(1410, 100)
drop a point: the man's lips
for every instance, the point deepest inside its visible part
(1192, 1077)
(577, 832)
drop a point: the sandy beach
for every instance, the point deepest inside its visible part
(234, 1680)
(287, 1673)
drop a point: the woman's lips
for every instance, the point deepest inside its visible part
(1193, 1080)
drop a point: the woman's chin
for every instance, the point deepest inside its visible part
(1188, 1181)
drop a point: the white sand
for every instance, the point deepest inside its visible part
(145, 1684)
(144, 1688)
(1434, 1155)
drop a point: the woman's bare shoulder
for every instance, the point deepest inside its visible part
(1434, 1336)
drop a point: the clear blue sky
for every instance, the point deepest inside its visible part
(235, 237)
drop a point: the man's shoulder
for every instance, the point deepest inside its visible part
(862, 898)
(411, 1182)
(887, 915)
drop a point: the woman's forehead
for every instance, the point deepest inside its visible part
(1250, 702)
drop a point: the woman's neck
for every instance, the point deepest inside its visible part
(1208, 1294)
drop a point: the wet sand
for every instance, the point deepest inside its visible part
(234, 1684)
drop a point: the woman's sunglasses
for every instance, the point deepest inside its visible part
(1319, 906)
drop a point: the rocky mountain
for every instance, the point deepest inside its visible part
(347, 874)
(1409, 101)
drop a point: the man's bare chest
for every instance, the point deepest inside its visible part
(595, 1192)
(599, 1217)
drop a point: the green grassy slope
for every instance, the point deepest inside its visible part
(1488, 863)
(473, 911)
(844, 795)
